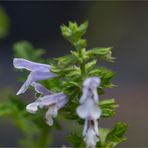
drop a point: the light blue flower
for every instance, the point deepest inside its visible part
(89, 99)
(91, 133)
(38, 72)
(90, 111)
(52, 101)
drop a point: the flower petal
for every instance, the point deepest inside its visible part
(84, 95)
(52, 99)
(89, 110)
(85, 127)
(62, 103)
(96, 127)
(21, 63)
(41, 89)
(49, 120)
(51, 112)
(90, 89)
(32, 107)
(35, 76)
(92, 82)
(90, 138)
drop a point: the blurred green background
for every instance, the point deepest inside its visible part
(123, 25)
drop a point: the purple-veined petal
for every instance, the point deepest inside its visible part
(35, 76)
(90, 89)
(21, 63)
(52, 99)
(41, 89)
(62, 103)
(90, 133)
(32, 107)
(91, 139)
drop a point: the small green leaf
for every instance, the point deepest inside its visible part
(102, 53)
(108, 107)
(116, 135)
(24, 49)
(103, 134)
(75, 140)
(73, 33)
(90, 65)
(67, 60)
(105, 74)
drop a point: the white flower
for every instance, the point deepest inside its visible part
(90, 89)
(89, 99)
(90, 133)
(89, 111)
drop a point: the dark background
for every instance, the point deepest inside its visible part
(123, 25)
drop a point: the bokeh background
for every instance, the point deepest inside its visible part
(123, 25)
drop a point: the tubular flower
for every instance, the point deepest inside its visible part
(52, 101)
(38, 72)
(91, 133)
(89, 111)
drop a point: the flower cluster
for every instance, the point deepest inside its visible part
(89, 111)
(65, 77)
(52, 101)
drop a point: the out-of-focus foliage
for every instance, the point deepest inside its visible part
(24, 49)
(71, 69)
(4, 23)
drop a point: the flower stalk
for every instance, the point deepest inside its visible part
(71, 85)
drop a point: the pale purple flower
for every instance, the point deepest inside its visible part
(52, 101)
(89, 99)
(91, 133)
(90, 89)
(38, 72)
(90, 111)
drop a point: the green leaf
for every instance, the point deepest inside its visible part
(24, 49)
(108, 107)
(105, 74)
(76, 140)
(80, 44)
(67, 60)
(116, 135)
(73, 33)
(4, 23)
(103, 134)
(90, 65)
(102, 53)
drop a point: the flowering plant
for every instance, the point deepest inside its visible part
(71, 85)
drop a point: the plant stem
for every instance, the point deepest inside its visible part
(44, 138)
(82, 63)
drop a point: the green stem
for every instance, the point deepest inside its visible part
(82, 67)
(82, 63)
(44, 138)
